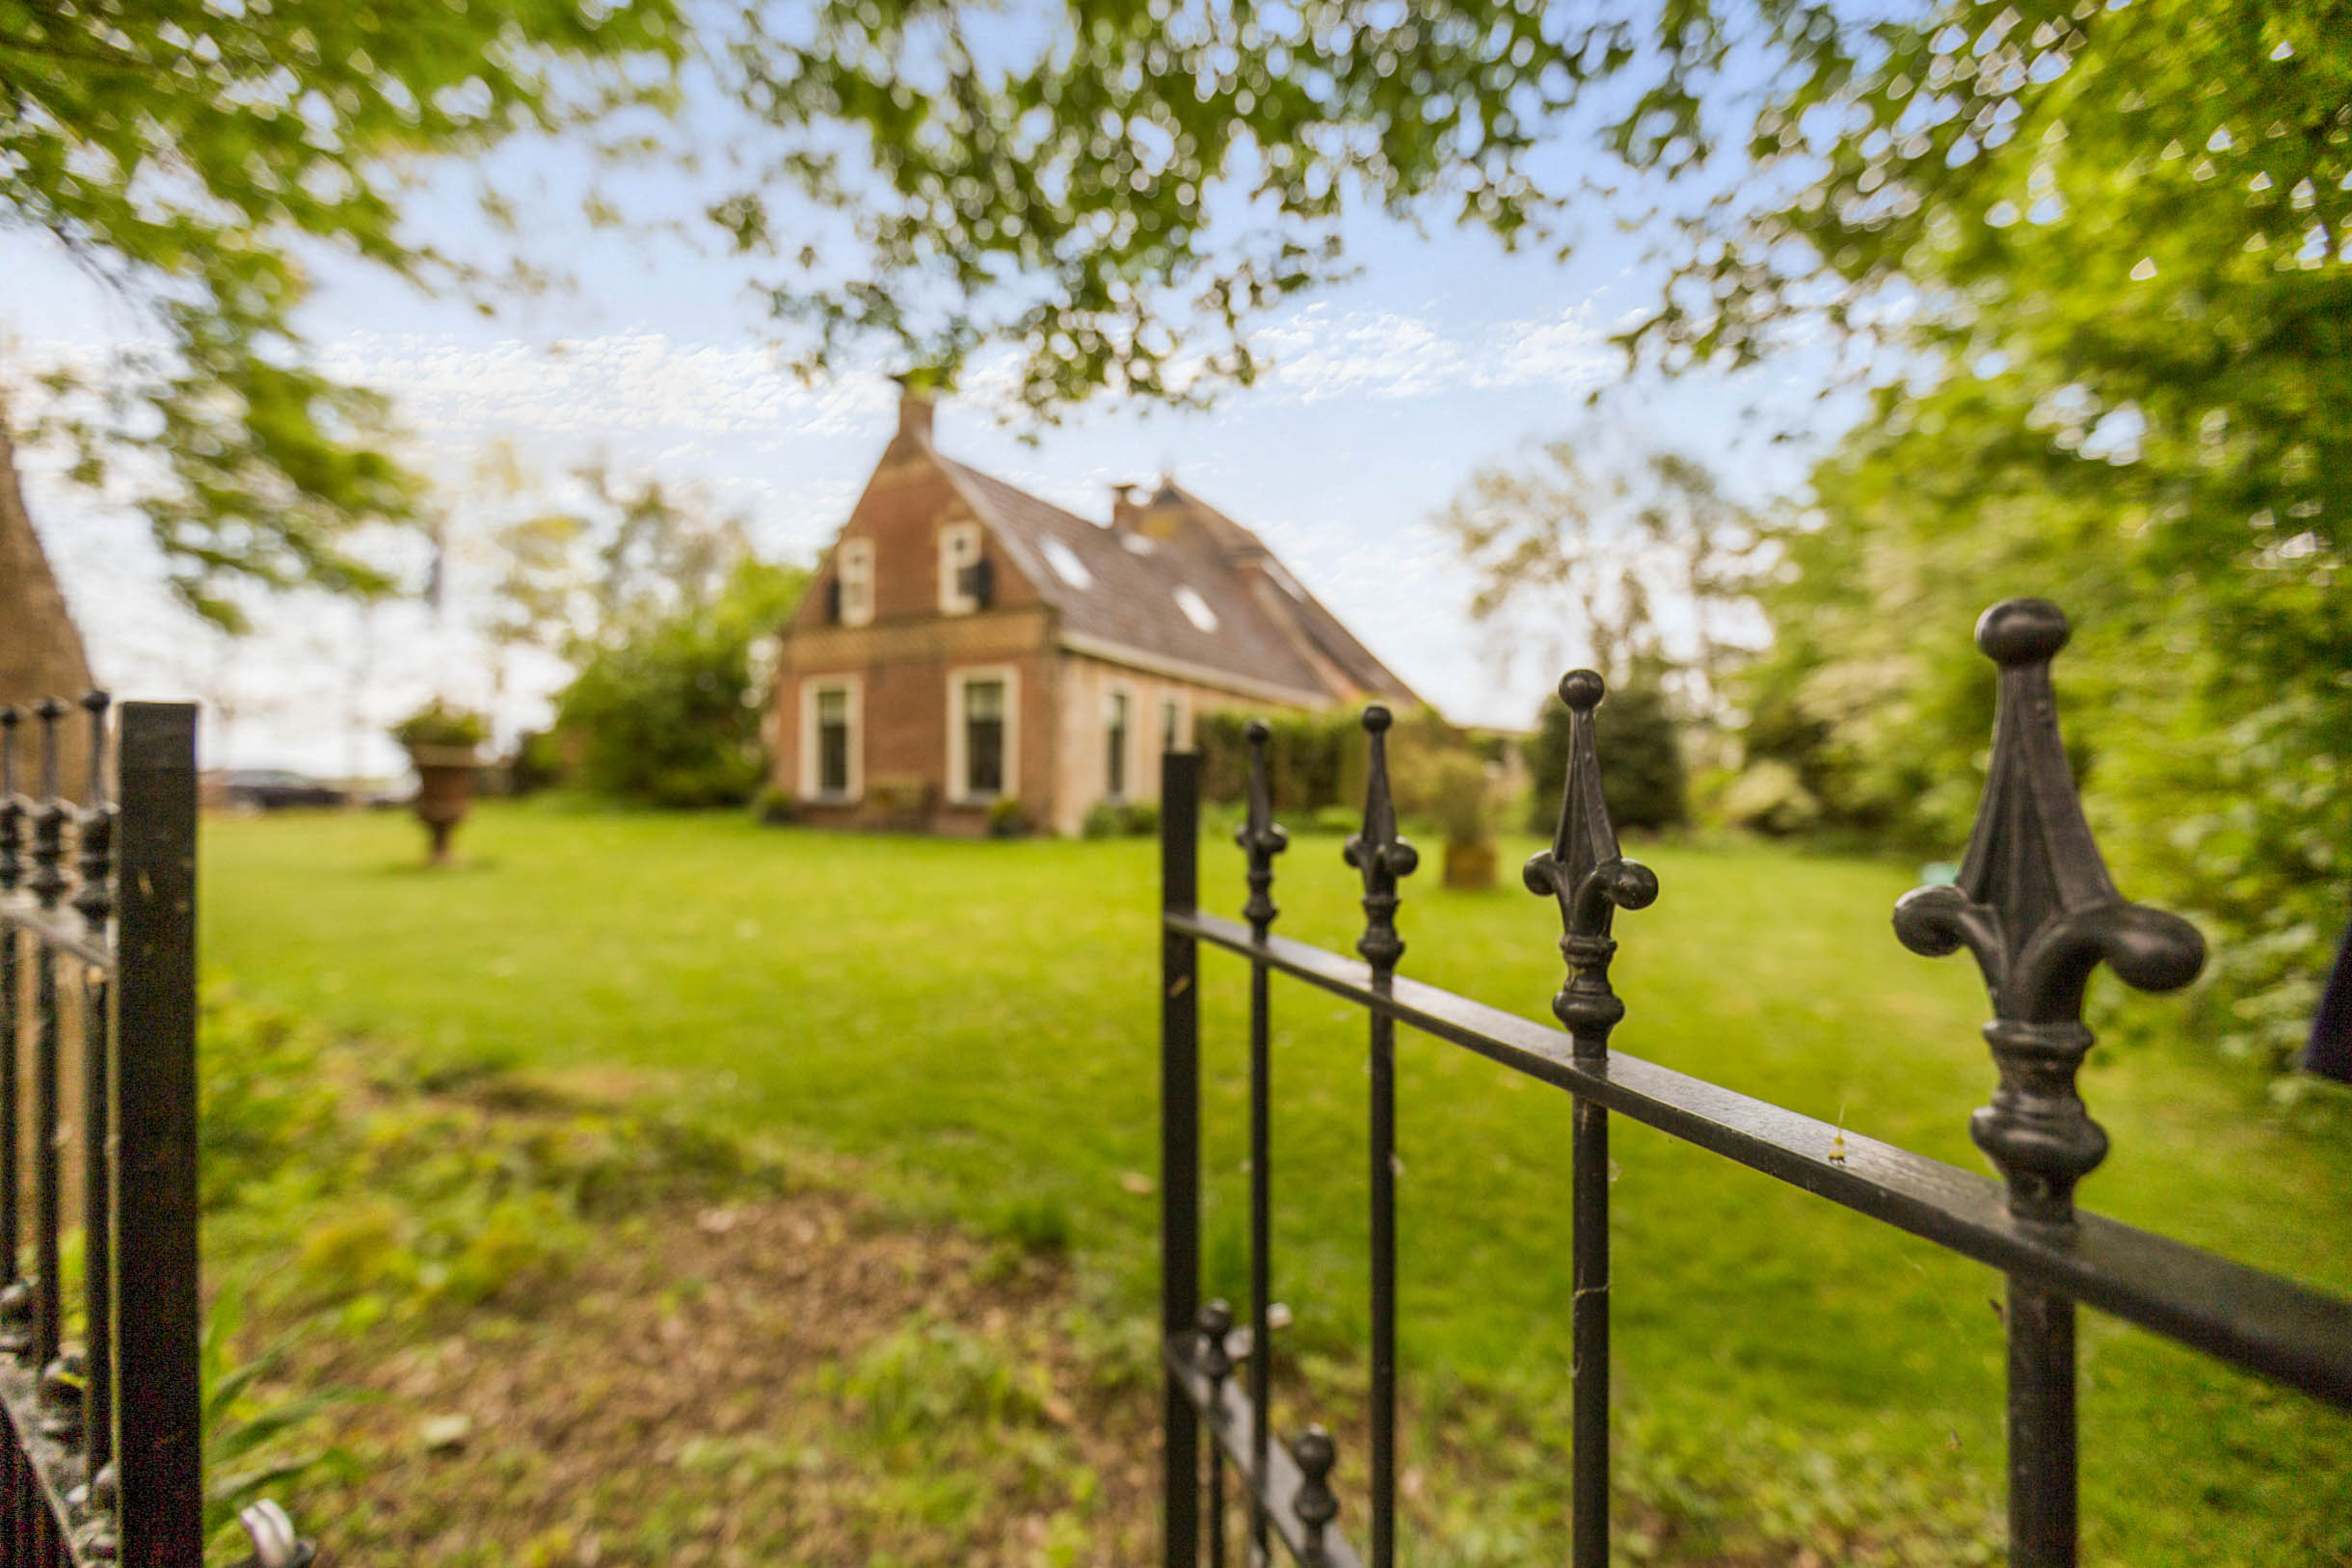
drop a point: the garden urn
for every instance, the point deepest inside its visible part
(444, 791)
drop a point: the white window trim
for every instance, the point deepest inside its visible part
(1180, 740)
(958, 770)
(1113, 690)
(810, 762)
(952, 599)
(856, 565)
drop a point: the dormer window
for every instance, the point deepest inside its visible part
(853, 571)
(1195, 609)
(963, 570)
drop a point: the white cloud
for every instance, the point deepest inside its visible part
(1319, 353)
(614, 384)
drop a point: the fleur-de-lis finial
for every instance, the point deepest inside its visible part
(2036, 908)
(1261, 837)
(1380, 854)
(1590, 880)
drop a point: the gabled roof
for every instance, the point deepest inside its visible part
(1124, 589)
(1301, 612)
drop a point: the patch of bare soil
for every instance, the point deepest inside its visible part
(787, 1381)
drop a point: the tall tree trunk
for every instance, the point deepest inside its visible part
(41, 652)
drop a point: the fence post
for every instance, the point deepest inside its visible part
(160, 1458)
(1180, 1142)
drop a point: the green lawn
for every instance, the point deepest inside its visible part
(976, 1023)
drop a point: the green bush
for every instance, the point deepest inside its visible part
(1008, 818)
(1139, 819)
(667, 710)
(773, 807)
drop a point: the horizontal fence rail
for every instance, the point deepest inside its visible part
(2033, 903)
(103, 1443)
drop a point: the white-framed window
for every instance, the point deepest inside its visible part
(959, 553)
(1118, 738)
(832, 738)
(854, 570)
(1172, 726)
(984, 734)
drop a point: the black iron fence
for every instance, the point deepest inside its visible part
(100, 1385)
(2033, 904)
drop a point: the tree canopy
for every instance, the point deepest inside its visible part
(191, 154)
(2124, 235)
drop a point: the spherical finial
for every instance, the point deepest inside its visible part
(1376, 718)
(1583, 689)
(1258, 731)
(1214, 1317)
(2021, 631)
(1314, 1452)
(96, 702)
(11, 717)
(50, 709)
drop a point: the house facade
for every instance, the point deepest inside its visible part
(970, 652)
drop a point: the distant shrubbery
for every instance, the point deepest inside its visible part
(666, 707)
(1315, 762)
(1115, 819)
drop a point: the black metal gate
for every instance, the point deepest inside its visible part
(2035, 906)
(104, 1444)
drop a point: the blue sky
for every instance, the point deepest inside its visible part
(1443, 354)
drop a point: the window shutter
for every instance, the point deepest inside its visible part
(977, 581)
(832, 600)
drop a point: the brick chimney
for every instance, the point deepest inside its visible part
(1124, 512)
(915, 406)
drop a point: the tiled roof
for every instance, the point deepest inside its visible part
(1127, 589)
(1325, 632)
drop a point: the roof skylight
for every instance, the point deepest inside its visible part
(1195, 609)
(1066, 565)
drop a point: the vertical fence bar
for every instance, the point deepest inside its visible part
(48, 887)
(1590, 880)
(160, 1460)
(1588, 1328)
(1217, 1364)
(15, 1301)
(1179, 1145)
(1382, 858)
(2042, 1456)
(94, 901)
(1260, 840)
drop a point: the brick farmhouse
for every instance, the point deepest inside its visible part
(967, 644)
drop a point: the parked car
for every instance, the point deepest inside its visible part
(272, 790)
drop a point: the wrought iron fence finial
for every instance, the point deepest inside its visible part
(2035, 906)
(1261, 837)
(1588, 876)
(1379, 853)
(94, 897)
(11, 809)
(47, 882)
(1314, 1503)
